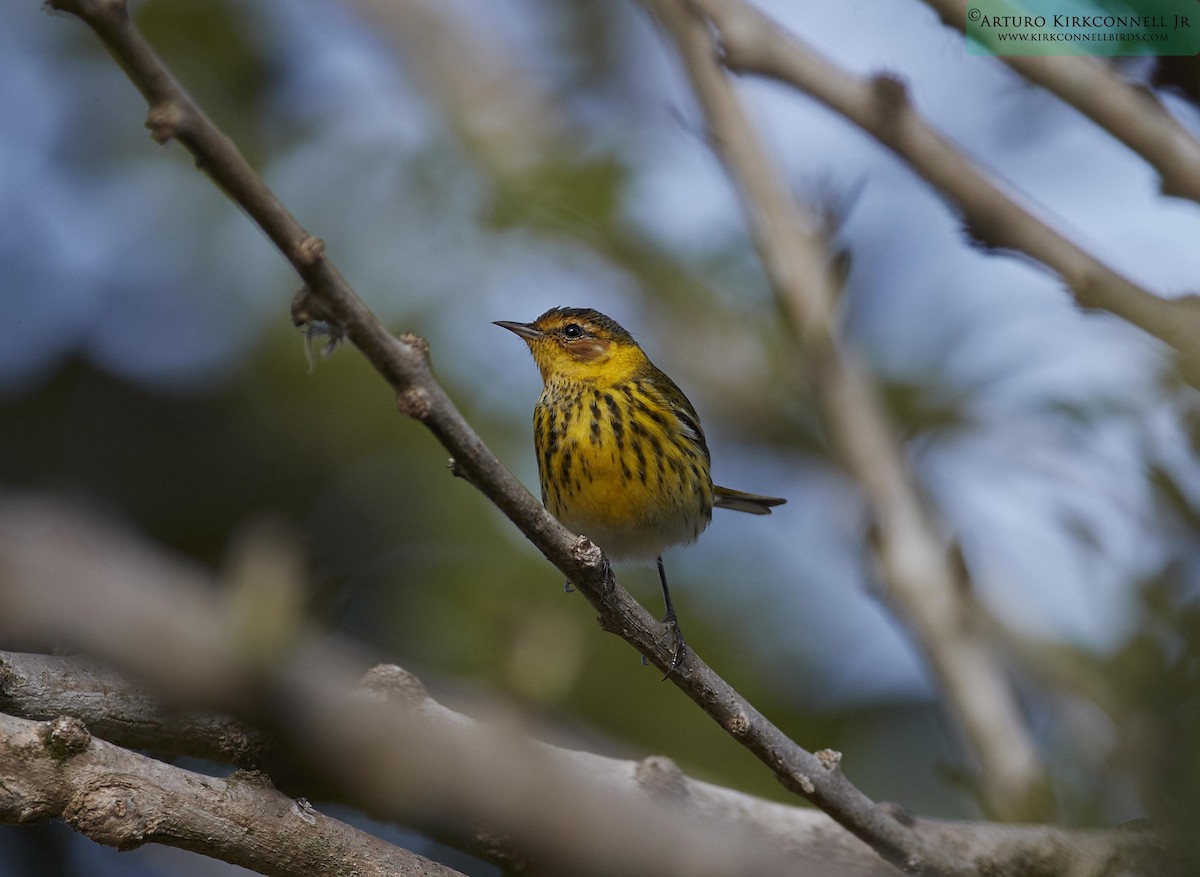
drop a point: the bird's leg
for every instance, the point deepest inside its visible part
(672, 623)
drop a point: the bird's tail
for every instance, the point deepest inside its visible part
(740, 501)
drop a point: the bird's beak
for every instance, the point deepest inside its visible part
(525, 330)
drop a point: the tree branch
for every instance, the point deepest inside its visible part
(43, 687)
(916, 567)
(36, 684)
(752, 43)
(57, 770)
(1129, 114)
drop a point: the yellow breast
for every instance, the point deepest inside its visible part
(618, 467)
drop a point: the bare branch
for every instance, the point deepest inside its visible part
(814, 843)
(1130, 114)
(56, 769)
(404, 364)
(915, 564)
(44, 687)
(752, 43)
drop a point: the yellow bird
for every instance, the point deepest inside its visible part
(621, 455)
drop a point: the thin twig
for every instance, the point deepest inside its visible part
(752, 43)
(403, 363)
(915, 564)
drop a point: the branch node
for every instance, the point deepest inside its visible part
(415, 341)
(65, 737)
(164, 121)
(413, 401)
(890, 96)
(830, 758)
(738, 724)
(394, 684)
(661, 777)
(587, 553)
(304, 811)
(311, 251)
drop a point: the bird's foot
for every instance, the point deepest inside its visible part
(610, 577)
(680, 650)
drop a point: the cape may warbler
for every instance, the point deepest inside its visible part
(621, 455)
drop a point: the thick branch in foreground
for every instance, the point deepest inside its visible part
(404, 364)
(92, 588)
(915, 565)
(58, 770)
(45, 686)
(752, 43)
(815, 843)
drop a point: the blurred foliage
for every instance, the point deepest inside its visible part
(559, 195)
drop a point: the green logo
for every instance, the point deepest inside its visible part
(1083, 27)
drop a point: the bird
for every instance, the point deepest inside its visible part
(621, 455)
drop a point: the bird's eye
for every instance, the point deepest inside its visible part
(572, 330)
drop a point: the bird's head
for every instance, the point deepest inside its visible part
(580, 344)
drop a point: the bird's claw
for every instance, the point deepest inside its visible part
(610, 578)
(680, 651)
